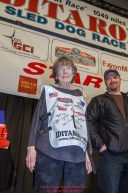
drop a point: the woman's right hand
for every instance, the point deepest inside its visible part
(31, 158)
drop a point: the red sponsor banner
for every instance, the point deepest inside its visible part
(27, 85)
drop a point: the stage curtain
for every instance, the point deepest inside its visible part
(14, 175)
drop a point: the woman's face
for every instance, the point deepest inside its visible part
(65, 74)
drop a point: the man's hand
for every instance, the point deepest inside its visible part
(31, 158)
(103, 148)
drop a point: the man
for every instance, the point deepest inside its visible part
(107, 116)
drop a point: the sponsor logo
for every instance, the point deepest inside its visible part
(78, 113)
(62, 109)
(65, 100)
(78, 107)
(79, 103)
(23, 43)
(19, 45)
(76, 55)
(27, 85)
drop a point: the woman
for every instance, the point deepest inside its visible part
(58, 137)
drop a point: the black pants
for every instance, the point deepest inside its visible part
(48, 174)
(113, 172)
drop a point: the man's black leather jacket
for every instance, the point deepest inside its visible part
(106, 123)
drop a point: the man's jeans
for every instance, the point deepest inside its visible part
(113, 172)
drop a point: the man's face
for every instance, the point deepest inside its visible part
(113, 81)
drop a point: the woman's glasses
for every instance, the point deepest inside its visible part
(66, 68)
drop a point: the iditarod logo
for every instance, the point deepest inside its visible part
(70, 134)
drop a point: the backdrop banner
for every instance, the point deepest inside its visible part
(33, 34)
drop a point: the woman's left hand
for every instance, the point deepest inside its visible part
(88, 164)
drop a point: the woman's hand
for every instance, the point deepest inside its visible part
(31, 158)
(88, 164)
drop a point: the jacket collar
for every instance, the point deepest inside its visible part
(125, 95)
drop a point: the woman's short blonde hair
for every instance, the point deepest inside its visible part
(63, 61)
